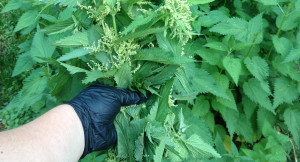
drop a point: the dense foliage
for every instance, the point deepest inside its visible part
(224, 74)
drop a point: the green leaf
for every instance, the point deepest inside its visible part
(125, 141)
(201, 107)
(12, 5)
(41, 48)
(163, 105)
(282, 45)
(195, 2)
(211, 56)
(287, 69)
(58, 27)
(229, 115)
(254, 91)
(158, 55)
(92, 76)
(139, 34)
(198, 148)
(76, 40)
(139, 148)
(138, 21)
(73, 69)
(245, 128)
(263, 116)
(268, 2)
(217, 46)
(285, 91)
(292, 120)
(258, 67)
(230, 103)
(212, 17)
(233, 67)
(294, 55)
(159, 151)
(24, 63)
(28, 18)
(74, 54)
(123, 77)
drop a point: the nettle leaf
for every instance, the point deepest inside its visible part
(76, 40)
(73, 69)
(293, 55)
(199, 1)
(233, 67)
(254, 91)
(212, 17)
(163, 105)
(41, 48)
(198, 148)
(287, 69)
(12, 5)
(268, 2)
(217, 46)
(138, 21)
(24, 63)
(123, 77)
(27, 19)
(241, 29)
(263, 116)
(160, 150)
(258, 67)
(69, 3)
(201, 107)
(292, 120)
(285, 91)
(74, 54)
(291, 20)
(282, 45)
(92, 76)
(229, 115)
(230, 103)
(245, 128)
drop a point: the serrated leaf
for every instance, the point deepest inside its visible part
(292, 120)
(198, 148)
(58, 27)
(217, 46)
(282, 45)
(24, 63)
(123, 77)
(201, 106)
(139, 148)
(264, 115)
(233, 67)
(160, 56)
(248, 106)
(73, 69)
(212, 18)
(258, 67)
(285, 91)
(159, 151)
(41, 48)
(138, 21)
(92, 76)
(254, 91)
(163, 105)
(139, 34)
(245, 128)
(294, 55)
(74, 54)
(268, 2)
(27, 19)
(194, 2)
(230, 116)
(76, 40)
(230, 103)
(12, 5)
(287, 69)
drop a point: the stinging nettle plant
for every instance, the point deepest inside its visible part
(223, 74)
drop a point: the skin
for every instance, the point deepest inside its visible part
(55, 136)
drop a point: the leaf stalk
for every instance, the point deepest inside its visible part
(280, 27)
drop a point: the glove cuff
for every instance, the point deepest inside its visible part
(97, 136)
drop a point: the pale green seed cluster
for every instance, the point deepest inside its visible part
(123, 50)
(179, 20)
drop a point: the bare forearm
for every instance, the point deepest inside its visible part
(55, 136)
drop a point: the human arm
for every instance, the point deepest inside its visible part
(94, 109)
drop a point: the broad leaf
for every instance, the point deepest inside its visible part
(285, 91)
(41, 48)
(27, 19)
(233, 67)
(258, 67)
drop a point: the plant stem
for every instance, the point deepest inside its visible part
(250, 49)
(111, 59)
(294, 150)
(280, 27)
(115, 25)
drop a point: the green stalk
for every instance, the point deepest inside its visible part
(115, 25)
(250, 49)
(111, 59)
(280, 27)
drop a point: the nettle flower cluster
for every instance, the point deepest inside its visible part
(179, 19)
(119, 52)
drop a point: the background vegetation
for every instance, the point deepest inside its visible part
(224, 74)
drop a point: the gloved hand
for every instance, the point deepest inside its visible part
(97, 106)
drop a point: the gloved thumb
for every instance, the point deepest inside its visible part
(128, 97)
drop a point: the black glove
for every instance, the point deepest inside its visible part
(97, 106)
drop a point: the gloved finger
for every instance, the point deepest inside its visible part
(128, 97)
